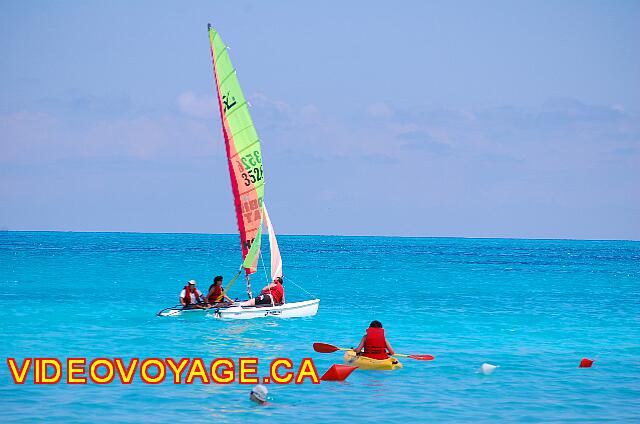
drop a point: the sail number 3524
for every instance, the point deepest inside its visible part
(251, 168)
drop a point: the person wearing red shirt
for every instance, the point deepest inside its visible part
(272, 294)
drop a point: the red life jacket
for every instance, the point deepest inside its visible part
(215, 294)
(375, 344)
(187, 295)
(277, 293)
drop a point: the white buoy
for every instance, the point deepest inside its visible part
(487, 369)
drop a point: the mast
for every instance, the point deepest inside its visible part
(249, 286)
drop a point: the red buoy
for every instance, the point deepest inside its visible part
(585, 363)
(337, 372)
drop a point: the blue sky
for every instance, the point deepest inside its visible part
(477, 119)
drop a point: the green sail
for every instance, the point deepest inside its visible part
(243, 152)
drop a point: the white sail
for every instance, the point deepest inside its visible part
(276, 259)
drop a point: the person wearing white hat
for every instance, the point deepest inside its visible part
(259, 394)
(190, 296)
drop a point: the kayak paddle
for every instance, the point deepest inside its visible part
(417, 357)
(327, 348)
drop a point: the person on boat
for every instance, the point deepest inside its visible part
(272, 294)
(216, 293)
(190, 296)
(259, 394)
(374, 343)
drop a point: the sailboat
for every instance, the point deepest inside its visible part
(247, 183)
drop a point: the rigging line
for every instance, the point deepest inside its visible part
(266, 277)
(210, 261)
(300, 287)
(264, 268)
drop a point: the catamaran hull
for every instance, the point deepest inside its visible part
(175, 311)
(308, 308)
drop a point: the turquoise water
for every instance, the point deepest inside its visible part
(534, 307)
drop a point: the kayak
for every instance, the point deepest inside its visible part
(362, 362)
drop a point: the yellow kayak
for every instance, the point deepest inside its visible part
(362, 362)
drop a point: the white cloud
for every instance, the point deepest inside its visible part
(38, 137)
(196, 106)
(379, 110)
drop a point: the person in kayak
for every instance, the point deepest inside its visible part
(216, 294)
(272, 294)
(190, 296)
(374, 343)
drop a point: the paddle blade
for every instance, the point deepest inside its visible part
(422, 357)
(324, 348)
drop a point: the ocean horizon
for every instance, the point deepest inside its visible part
(322, 235)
